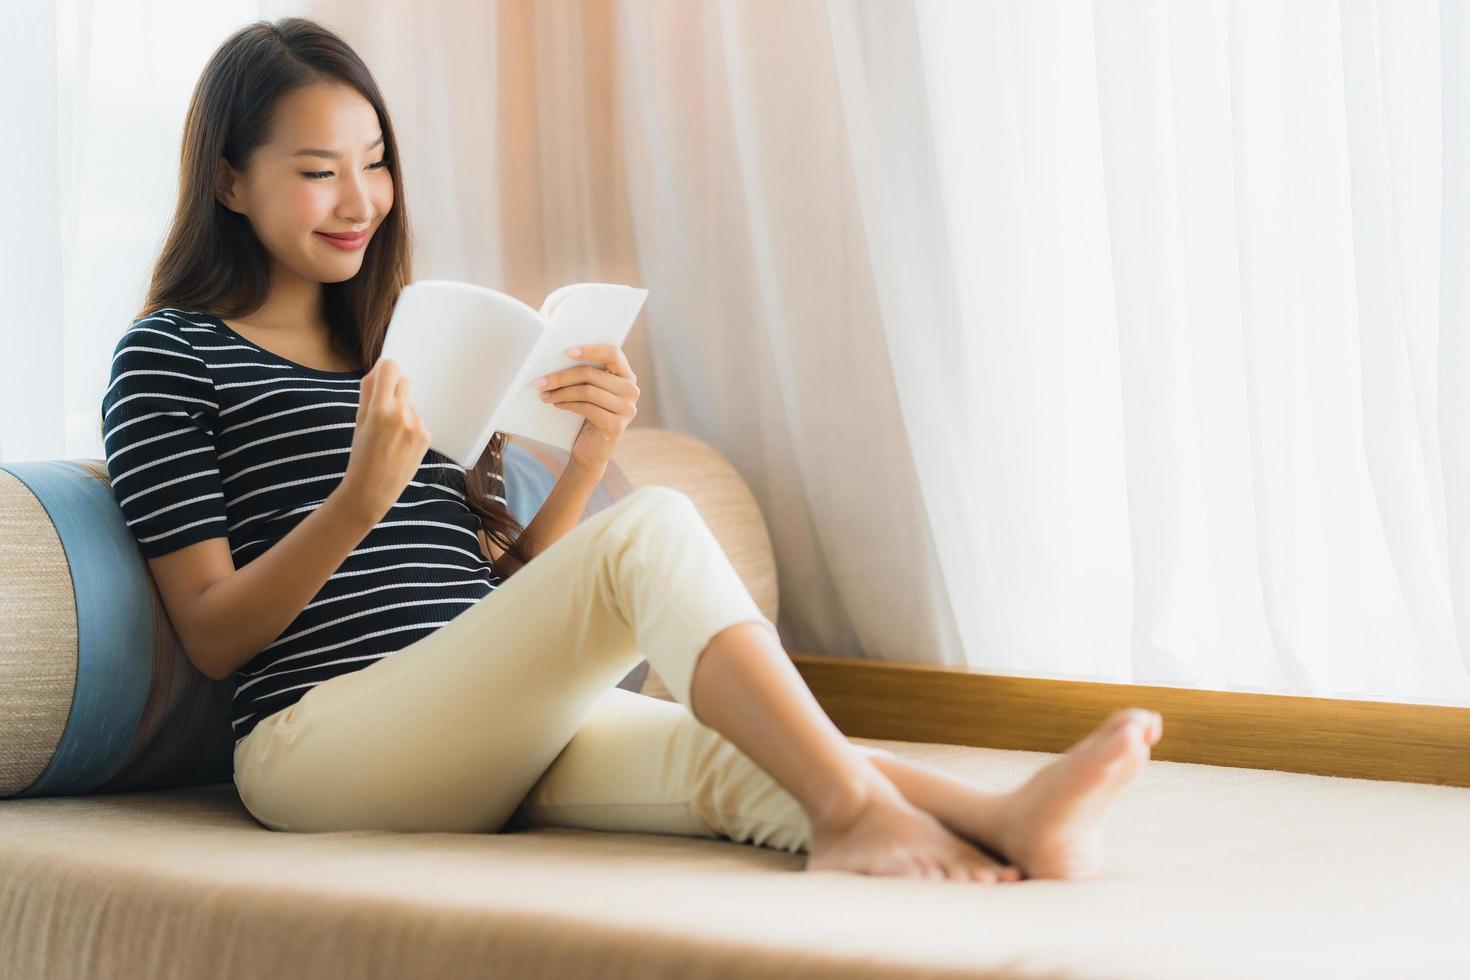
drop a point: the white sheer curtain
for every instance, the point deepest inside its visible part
(92, 100)
(1105, 336)
(1088, 340)
(1193, 388)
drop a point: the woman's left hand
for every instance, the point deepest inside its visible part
(605, 395)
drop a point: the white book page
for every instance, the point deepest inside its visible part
(461, 346)
(580, 313)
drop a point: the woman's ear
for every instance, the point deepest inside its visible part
(225, 186)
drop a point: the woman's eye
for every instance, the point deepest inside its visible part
(318, 174)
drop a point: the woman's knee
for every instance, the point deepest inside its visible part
(661, 494)
(656, 502)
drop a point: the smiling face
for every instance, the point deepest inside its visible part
(294, 199)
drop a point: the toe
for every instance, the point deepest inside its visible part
(1136, 737)
(1141, 715)
(1118, 719)
(983, 875)
(1120, 740)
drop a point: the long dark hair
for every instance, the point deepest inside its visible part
(212, 260)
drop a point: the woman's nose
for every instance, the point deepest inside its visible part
(356, 205)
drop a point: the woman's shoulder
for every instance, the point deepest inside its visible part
(167, 326)
(175, 316)
(162, 321)
(157, 348)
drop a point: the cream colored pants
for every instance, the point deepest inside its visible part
(508, 715)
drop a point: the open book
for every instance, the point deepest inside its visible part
(472, 356)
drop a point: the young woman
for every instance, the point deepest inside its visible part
(406, 655)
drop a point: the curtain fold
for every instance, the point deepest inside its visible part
(765, 334)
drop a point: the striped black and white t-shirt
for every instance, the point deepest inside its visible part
(209, 435)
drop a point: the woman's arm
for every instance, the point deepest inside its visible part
(226, 616)
(560, 512)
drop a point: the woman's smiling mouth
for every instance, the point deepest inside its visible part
(346, 242)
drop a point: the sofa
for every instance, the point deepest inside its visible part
(126, 853)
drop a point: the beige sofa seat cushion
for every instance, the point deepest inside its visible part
(1211, 872)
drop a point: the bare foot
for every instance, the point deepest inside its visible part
(890, 836)
(1052, 824)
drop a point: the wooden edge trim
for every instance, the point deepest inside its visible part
(1407, 742)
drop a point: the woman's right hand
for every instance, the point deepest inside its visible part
(389, 443)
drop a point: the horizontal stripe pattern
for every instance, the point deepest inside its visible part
(208, 435)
